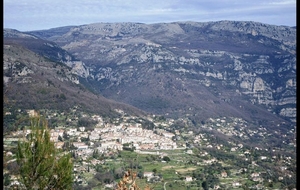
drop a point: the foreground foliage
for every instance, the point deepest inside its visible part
(128, 182)
(41, 165)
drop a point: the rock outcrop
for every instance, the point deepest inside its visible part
(188, 68)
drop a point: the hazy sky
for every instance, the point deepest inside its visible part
(26, 15)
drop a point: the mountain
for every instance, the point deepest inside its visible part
(181, 69)
(193, 69)
(37, 74)
(230, 87)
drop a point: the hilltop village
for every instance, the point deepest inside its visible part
(198, 159)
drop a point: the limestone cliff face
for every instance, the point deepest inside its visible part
(188, 68)
(31, 80)
(21, 65)
(47, 49)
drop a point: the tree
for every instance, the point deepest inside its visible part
(42, 166)
(154, 170)
(96, 154)
(166, 158)
(204, 185)
(6, 179)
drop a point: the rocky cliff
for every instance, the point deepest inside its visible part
(40, 79)
(199, 70)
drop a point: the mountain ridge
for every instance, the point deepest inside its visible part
(189, 68)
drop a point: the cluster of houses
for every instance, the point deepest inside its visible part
(114, 137)
(107, 137)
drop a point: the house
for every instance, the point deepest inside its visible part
(168, 135)
(95, 162)
(54, 134)
(72, 131)
(263, 157)
(94, 136)
(59, 145)
(236, 184)
(80, 145)
(32, 113)
(151, 177)
(148, 174)
(224, 174)
(188, 178)
(255, 175)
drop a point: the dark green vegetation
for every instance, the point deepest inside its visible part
(40, 164)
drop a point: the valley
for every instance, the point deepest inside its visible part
(184, 105)
(222, 153)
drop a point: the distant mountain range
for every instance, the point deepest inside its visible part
(181, 69)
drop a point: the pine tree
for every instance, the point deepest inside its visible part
(42, 166)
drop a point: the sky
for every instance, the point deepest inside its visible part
(29, 15)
